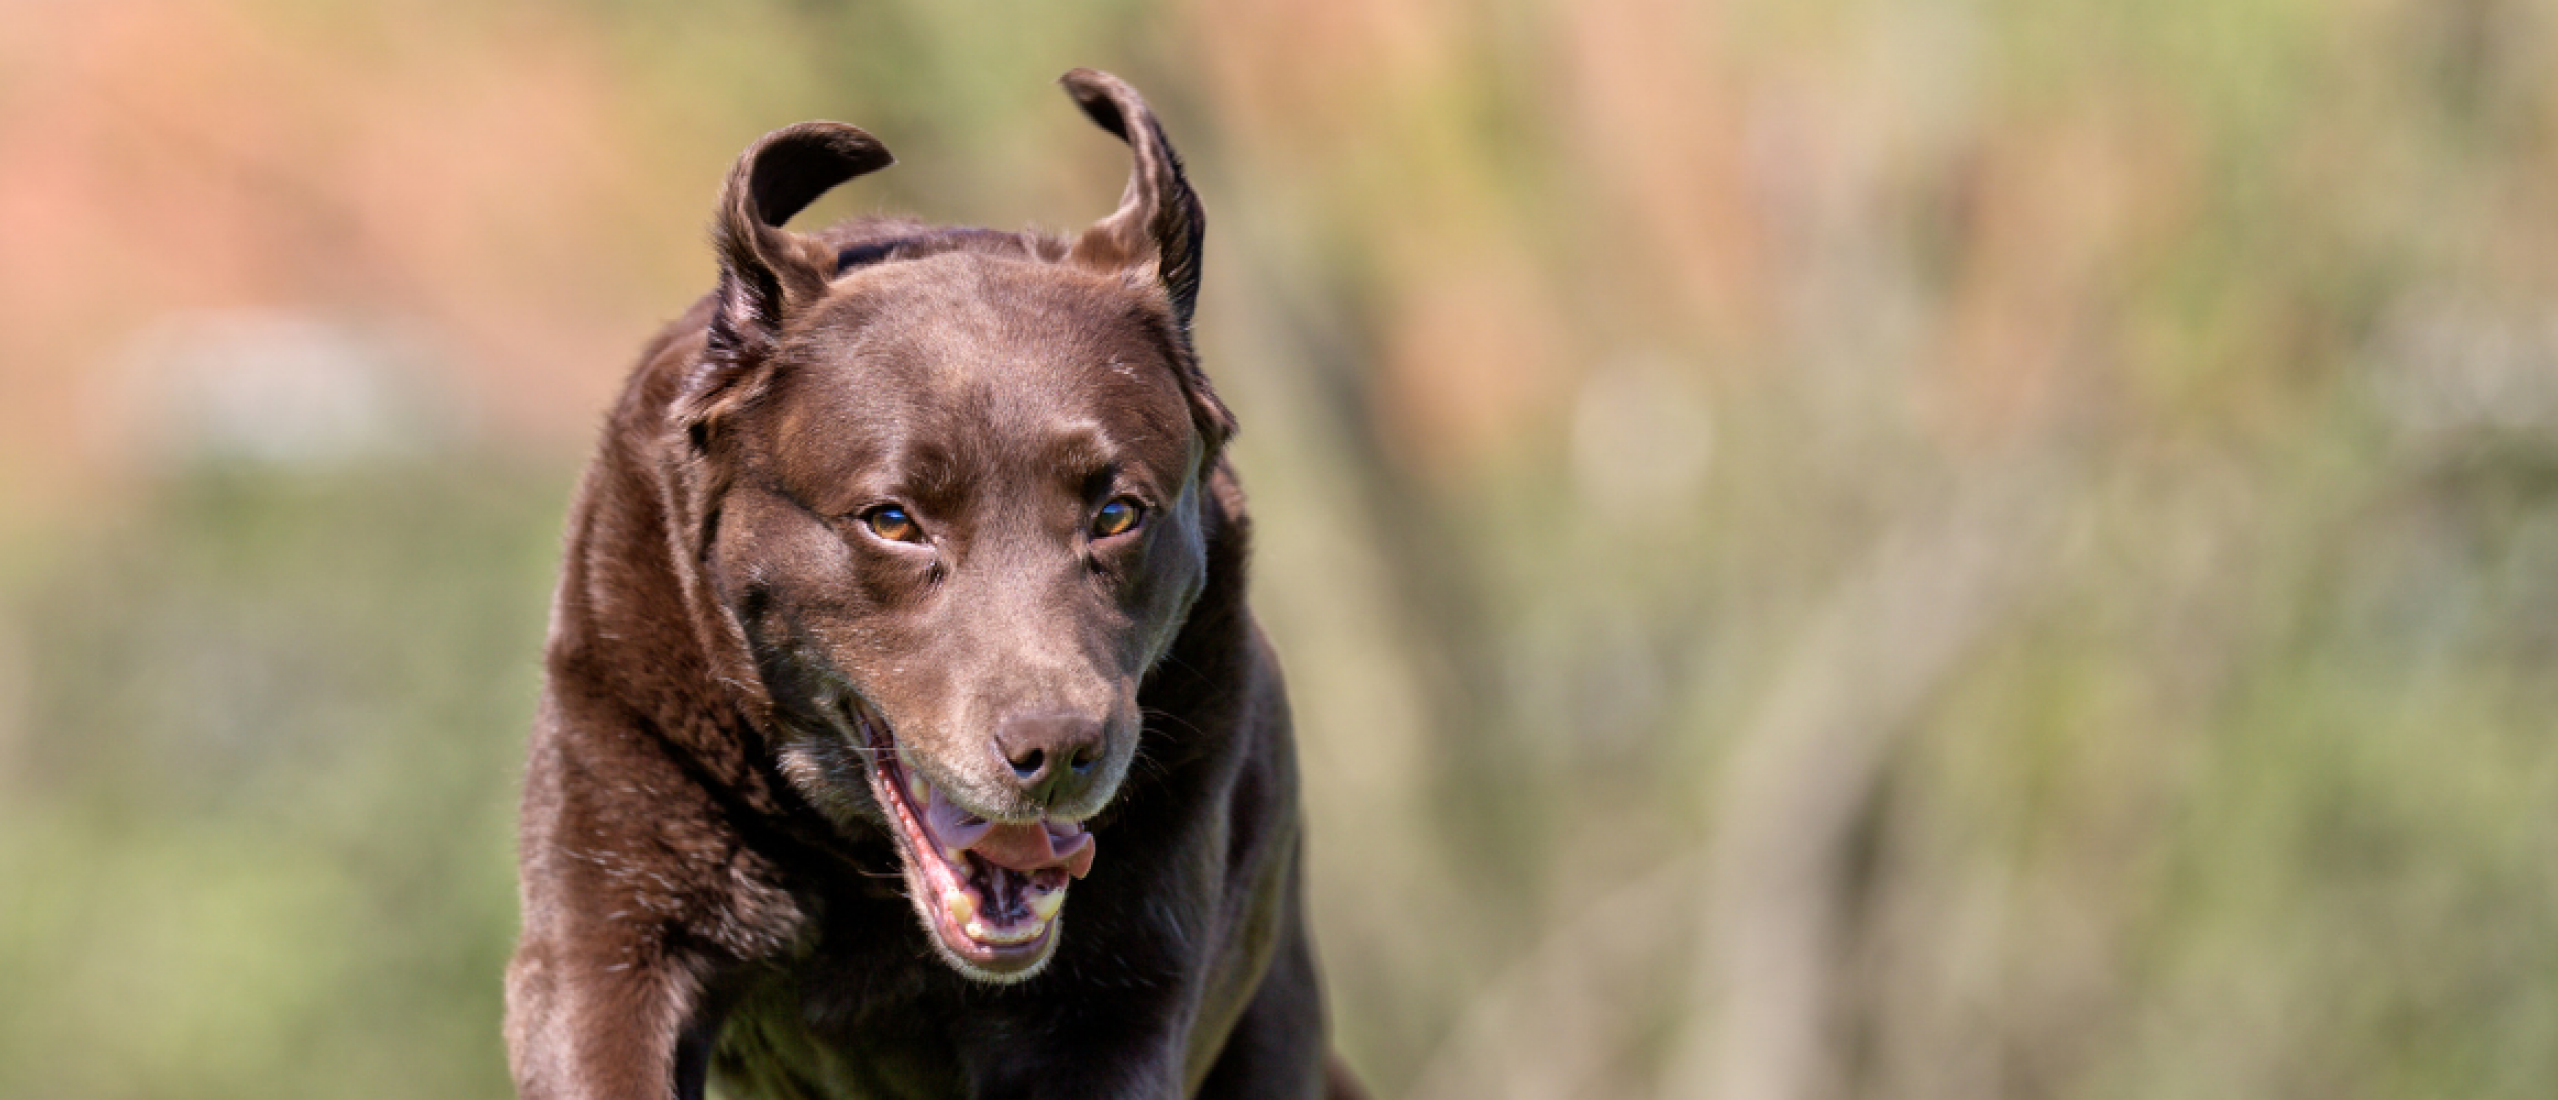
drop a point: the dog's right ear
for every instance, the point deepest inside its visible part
(766, 272)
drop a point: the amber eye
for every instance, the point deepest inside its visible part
(891, 522)
(1118, 517)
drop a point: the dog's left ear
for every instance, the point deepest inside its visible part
(768, 273)
(1157, 229)
(1155, 234)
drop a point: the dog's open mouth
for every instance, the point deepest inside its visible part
(990, 891)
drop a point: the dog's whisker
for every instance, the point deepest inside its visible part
(1157, 712)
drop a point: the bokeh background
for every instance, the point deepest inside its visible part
(1853, 548)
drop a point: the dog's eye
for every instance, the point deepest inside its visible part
(891, 522)
(1118, 517)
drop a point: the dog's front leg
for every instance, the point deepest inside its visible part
(583, 1028)
(605, 994)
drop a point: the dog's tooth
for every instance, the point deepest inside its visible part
(956, 857)
(1007, 937)
(919, 790)
(961, 907)
(1045, 905)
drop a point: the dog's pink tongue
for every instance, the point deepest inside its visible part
(1022, 846)
(1035, 846)
(951, 826)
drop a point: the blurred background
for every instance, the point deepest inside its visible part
(1861, 548)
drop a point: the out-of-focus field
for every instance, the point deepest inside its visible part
(1893, 549)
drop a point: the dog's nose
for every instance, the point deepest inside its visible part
(1053, 755)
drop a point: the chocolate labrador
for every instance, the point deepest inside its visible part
(905, 731)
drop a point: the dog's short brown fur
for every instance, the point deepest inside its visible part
(904, 518)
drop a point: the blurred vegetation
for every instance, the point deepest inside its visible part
(1943, 549)
(258, 815)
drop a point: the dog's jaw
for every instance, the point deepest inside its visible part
(988, 921)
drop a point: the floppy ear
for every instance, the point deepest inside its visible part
(1155, 234)
(767, 273)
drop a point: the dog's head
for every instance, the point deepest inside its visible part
(951, 488)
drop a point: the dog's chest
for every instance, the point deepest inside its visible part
(865, 1021)
(865, 1010)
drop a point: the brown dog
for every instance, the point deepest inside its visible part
(905, 732)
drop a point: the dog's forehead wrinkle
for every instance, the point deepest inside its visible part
(1077, 451)
(1031, 388)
